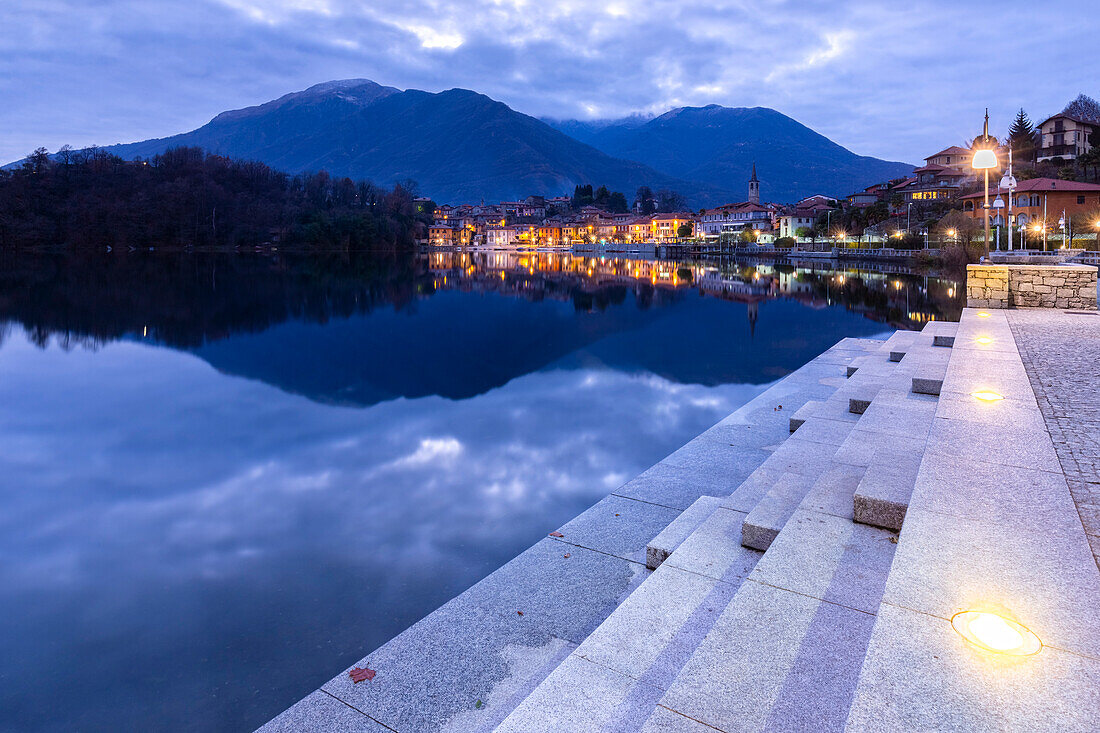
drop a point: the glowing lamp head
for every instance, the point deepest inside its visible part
(995, 633)
(984, 159)
(987, 396)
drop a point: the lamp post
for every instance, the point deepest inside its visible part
(1008, 183)
(998, 205)
(985, 160)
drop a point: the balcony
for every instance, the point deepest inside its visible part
(1067, 152)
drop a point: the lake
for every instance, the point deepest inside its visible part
(227, 476)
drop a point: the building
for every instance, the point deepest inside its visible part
(1039, 200)
(754, 187)
(952, 157)
(441, 235)
(665, 227)
(1070, 133)
(749, 214)
(791, 221)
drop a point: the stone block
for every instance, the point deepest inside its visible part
(669, 538)
(765, 521)
(859, 405)
(941, 340)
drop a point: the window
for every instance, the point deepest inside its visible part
(1080, 199)
(1058, 126)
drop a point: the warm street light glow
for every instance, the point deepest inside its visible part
(996, 633)
(983, 314)
(984, 160)
(987, 396)
(984, 340)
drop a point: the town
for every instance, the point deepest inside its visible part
(1045, 195)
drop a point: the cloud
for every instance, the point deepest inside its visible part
(896, 81)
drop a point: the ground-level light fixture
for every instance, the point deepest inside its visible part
(995, 633)
(984, 340)
(986, 395)
(983, 314)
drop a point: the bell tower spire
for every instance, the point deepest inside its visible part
(754, 186)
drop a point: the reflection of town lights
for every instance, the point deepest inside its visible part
(987, 396)
(995, 633)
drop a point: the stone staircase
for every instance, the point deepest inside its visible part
(793, 604)
(784, 539)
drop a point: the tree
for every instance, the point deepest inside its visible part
(684, 230)
(669, 201)
(617, 203)
(1021, 138)
(644, 201)
(601, 197)
(582, 196)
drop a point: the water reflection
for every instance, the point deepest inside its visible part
(186, 549)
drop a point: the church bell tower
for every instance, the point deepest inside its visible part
(754, 187)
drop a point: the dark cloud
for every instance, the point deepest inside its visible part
(887, 79)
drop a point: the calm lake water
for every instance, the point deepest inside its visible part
(225, 477)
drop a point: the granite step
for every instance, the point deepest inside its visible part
(804, 412)
(765, 521)
(991, 526)
(786, 652)
(897, 423)
(669, 538)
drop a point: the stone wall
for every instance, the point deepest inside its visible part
(1031, 286)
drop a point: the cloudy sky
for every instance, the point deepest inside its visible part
(890, 79)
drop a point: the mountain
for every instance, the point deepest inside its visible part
(717, 145)
(458, 145)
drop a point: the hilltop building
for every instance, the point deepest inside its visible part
(1071, 133)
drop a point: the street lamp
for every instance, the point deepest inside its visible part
(1008, 183)
(998, 206)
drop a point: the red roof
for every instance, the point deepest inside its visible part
(1039, 185)
(953, 150)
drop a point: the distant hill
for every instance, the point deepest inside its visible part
(461, 146)
(717, 145)
(458, 145)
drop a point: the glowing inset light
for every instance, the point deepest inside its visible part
(983, 314)
(984, 340)
(996, 633)
(987, 396)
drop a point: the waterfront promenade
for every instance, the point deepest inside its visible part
(901, 535)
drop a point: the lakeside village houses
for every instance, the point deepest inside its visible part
(946, 181)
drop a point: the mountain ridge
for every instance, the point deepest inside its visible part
(461, 145)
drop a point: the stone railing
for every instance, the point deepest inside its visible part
(1031, 286)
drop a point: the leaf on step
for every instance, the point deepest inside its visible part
(616, 514)
(894, 539)
(478, 704)
(520, 612)
(566, 555)
(556, 534)
(358, 675)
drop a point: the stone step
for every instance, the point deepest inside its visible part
(613, 679)
(804, 412)
(764, 522)
(991, 526)
(929, 380)
(669, 538)
(883, 494)
(856, 364)
(858, 403)
(947, 341)
(787, 651)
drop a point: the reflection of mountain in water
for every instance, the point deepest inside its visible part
(355, 329)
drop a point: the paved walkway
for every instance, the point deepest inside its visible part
(1061, 353)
